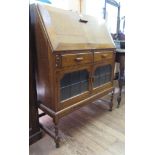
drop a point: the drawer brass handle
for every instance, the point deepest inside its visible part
(104, 55)
(79, 59)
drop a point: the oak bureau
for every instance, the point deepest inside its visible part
(75, 57)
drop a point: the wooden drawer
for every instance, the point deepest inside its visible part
(102, 56)
(76, 59)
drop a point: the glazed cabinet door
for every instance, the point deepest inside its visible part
(102, 77)
(73, 86)
(103, 70)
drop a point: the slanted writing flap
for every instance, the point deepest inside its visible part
(66, 32)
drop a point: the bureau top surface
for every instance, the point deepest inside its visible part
(66, 32)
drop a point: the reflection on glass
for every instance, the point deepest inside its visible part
(73, 84)
(102, 75)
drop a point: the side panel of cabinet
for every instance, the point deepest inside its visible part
(43, 62)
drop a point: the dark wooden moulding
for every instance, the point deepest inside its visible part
(55, 57)
(34, 128)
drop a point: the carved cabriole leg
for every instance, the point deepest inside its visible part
(57, 138)
(111, 101)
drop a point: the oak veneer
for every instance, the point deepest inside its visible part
(71, 56)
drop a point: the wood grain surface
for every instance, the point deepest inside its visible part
(92, 130)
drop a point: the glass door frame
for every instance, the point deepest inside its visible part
(107, 84)
(74, 99)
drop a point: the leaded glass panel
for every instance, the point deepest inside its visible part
(102, 75)
(73, 83)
